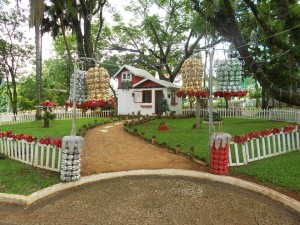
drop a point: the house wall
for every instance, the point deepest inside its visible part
(127, 104)
(134, 78)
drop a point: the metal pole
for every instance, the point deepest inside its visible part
(73, 132)
(211, 56)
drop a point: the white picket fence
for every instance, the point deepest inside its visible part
(288, 115)
(35, 154)
(8, 119)
(263, 147)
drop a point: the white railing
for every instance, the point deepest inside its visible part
(8, 119)
(288, 115)
(263, 147)
(35, 154)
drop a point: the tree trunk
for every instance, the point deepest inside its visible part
(46, 123)
(198, 122)
(38, 52)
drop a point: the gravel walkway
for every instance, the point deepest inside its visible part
(152, 200)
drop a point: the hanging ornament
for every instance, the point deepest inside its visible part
(192, 72)
(229, 75)
(81, 88)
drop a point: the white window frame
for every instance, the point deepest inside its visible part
(127, 73)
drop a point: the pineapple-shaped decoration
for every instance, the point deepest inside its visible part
(191, 72)
(97, 80)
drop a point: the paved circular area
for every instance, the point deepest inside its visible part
(152, 200)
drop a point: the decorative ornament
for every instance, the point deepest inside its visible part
(91, 90)
(191, 72)
(229, 75)
(72, 147)
(81, 88)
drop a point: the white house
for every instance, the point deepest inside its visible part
(139, 91)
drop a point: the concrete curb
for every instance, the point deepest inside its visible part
(27, 200)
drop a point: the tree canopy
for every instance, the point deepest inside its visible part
(273, 57)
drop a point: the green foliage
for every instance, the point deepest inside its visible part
(14, 51)
(48, 116)
(164, 105)
(25, 104)
(160, 41)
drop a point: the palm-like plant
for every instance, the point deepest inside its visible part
(35, 20)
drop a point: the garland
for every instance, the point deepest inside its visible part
(57, 142)
(263, 133)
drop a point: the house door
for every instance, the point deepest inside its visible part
(158, 100)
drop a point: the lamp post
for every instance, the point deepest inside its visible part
(210, 86)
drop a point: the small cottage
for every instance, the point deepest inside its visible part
(139, 91)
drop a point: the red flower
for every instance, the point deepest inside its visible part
(29, 138)
(191, 92)
(57, 142)
(9, 134)
(275, 130)
(19, 136)
(289, 128)
(45, 141)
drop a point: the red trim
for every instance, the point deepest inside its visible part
(148, 84)
(146, 106)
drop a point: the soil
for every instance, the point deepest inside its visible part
(108, 148)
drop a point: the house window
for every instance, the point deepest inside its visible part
(147, 96)
(126, 76)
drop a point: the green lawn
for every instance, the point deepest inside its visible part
(181, 132)
(19, 178)
(58, 128)
(282, 171)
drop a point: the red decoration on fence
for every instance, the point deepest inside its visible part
(57, 142)
(265, 132)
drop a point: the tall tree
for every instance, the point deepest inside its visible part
(277, 23)
(36, 17)
(14, 51)
(163, 40)
(77, 16)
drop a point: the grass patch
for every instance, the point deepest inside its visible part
(19, 178)
(282, 171)
(58, 128)
(181, 132)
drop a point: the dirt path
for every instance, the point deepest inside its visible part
(108, 148)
